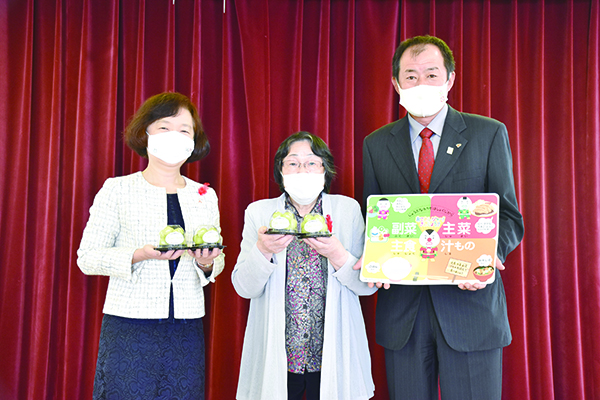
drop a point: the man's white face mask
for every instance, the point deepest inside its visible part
(424, 100)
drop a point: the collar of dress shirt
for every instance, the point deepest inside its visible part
(436, 124)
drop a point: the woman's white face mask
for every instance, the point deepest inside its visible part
(172, 147)
(304, 188)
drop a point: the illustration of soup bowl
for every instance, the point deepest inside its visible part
(483, 273)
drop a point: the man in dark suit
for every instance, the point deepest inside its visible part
(454, 334)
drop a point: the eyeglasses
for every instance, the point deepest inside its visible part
(310, 166)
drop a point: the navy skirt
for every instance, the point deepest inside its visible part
(140, 359)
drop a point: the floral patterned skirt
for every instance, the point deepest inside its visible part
(150, 360)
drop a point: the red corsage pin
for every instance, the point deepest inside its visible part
(203, 189)
(329, 223)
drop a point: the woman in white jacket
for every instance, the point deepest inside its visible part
(305, 332)
(152, 341)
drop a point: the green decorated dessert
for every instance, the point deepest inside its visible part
(207, 235)
(283, 221)
(172, 235)
(313, 224)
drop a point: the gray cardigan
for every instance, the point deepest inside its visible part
(346, 366)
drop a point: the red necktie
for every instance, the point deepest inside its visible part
(426, 160)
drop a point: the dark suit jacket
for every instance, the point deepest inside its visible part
(481, 162)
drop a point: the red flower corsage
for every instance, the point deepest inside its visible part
(203, 189)
(329, 223)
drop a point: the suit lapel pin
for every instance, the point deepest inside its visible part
(458, 145)
(450, 150)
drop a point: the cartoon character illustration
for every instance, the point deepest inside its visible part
(378, 234)
(429, 241)
(384, 208)
(464, 205)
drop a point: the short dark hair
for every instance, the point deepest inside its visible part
(318, 147)
(160, 106)
(419, 42)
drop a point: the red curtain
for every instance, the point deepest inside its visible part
(74, 71)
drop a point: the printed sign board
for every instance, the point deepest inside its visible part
(431, 239)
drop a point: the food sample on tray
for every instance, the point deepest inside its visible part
(172, 235)
(314, 225)
(207, 236)
(283, 222)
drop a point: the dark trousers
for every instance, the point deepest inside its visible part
(299, 383)
(413, 371)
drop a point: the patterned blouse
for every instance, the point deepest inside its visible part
(306, 287)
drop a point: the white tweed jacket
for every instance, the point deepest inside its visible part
(128, 213)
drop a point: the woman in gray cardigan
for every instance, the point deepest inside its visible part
(305, 332)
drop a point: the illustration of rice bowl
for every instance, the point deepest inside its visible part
(396, 268)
